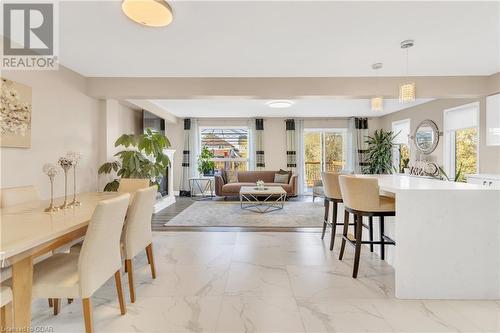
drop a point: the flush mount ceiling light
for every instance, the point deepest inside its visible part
(378, 101)
(407, 91)
(152, 13)
(279, 104)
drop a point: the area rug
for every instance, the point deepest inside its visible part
(230, 214)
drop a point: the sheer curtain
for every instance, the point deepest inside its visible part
(194, 146)
(357, 132)
(251, 144)
(352, 162)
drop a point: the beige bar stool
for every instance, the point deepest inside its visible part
(361, 198)
(332, 194)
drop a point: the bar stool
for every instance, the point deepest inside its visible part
(332, 194)
(361, 198)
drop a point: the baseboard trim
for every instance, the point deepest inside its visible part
(241, 229)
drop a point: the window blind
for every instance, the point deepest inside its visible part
(466, 116)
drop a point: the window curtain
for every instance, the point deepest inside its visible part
(291, 152)
(356, 145)
(260, 160)
(186, 160)
(299, 144)
(251, 144)
(194, 146)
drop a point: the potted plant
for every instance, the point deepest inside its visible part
(379, 153)
(206, 165)
(405, 165)
(143, 157)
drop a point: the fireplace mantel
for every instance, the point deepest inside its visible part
(169, 199)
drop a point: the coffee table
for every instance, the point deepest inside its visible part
(262, 200)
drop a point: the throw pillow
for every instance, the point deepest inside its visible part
(232, 176)
(281, 178)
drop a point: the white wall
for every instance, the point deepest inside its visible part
(63, 119)
(489, 156)
(274, 137)
(116, 119)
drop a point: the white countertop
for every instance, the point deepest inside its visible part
(393, 183)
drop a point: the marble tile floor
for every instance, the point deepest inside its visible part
(265, 282)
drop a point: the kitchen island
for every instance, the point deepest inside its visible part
(447, 238)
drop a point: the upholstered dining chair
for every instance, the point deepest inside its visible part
(361, 198)
(137, 234)
(71, 275)
(18, 195)
(131, 185)
(5, 309)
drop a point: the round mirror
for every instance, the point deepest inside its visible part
(426, 136)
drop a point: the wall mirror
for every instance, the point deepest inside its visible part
(426, 136)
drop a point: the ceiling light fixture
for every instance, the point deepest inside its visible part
(378, 101)
(407, 91)
(280, 104)
(152, 13)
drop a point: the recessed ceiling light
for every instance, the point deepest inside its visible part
(152, 13)
(279, 104)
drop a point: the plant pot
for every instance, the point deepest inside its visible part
(406, 171)
(208, 173)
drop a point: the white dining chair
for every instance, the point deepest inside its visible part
(137, 235)
(70, 275)
(131, 185)
(5, 309)
(13, 196)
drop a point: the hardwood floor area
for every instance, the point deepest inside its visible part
(165, 215)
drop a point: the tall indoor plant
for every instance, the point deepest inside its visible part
(206, 165)
(379, 153)
(143, 157)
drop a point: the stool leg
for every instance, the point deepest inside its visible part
(357, 253)
(334, 225)
(382, 241)
(325, 220)
(370, 231)
(344, 233)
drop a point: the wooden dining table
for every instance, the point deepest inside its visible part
(28, 232)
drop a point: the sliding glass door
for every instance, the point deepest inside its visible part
(324, 150)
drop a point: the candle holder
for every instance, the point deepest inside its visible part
(74, 157)
(65, 164)
(51, 170)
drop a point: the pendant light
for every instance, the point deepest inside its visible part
(377, 102)
(151, 13)
(407, 91)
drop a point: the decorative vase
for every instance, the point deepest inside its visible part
(74, 157)
(65, 164)
(51, 170)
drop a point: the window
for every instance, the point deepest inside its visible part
(461, 134)
(401, 154)
(324, 150)
(229, 145)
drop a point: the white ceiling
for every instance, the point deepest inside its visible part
(317, 108)
(278, 38)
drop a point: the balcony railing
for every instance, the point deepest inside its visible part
(313, 170)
